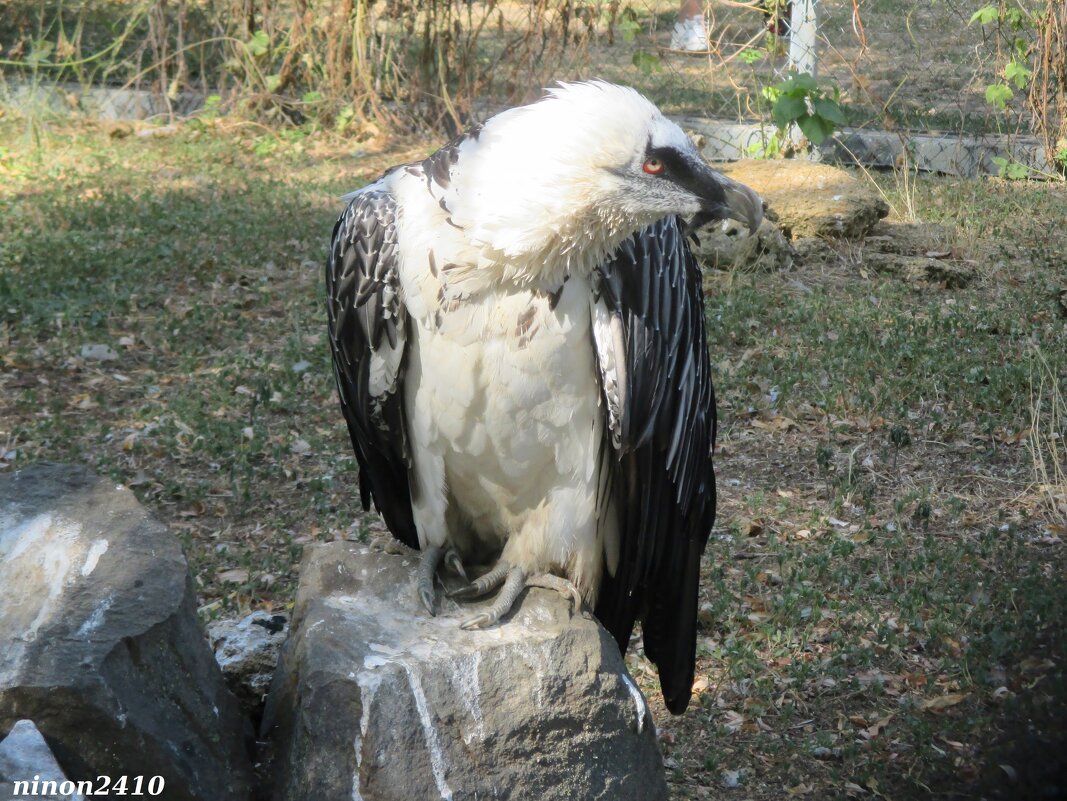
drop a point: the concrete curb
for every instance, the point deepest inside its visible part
(947, 154)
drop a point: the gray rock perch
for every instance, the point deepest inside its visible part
(376, 701)
(99, 641)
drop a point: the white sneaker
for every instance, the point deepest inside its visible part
(690, 35)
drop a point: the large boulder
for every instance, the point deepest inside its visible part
(375, 700)
(25, 759)
(100, 645)
(810, 199)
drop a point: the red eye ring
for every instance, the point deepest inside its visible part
(654, 167)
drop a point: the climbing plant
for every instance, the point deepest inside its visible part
(1032, 51)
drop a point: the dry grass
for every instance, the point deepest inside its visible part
(1048, 424)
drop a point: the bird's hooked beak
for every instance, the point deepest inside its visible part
(722, 198)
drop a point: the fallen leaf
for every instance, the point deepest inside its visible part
(237, 575)
(876, 728)
(779, 423)
(749, 528)
(733, 721)
(196, 510)
(1034, 665)
(942, 702)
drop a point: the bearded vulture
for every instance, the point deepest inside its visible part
(518, 338)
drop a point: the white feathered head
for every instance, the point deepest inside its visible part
(567, 178)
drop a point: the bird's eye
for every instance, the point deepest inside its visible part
(654, 167)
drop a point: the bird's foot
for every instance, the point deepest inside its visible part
(484, 584)
(514, 582)
(431, 560)
(564, 587)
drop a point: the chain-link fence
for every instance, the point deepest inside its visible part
(893, 65)
(914, 65)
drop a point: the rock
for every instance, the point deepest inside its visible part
(155, 133)
(811, 199)
(99, 640)
(24, 757)
(913, 252)
(731, 779)
(375, 700)
(98, 353)
(247, 651)
(728, 247)
(919, 269)
(911, 239)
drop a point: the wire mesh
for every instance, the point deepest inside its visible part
(898, 65)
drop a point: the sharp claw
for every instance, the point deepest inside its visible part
(513, 584)
(431, 557)
(563, 587)
(463, 593)
(428, 600)
(476, 622)
(483, 584)
(453, 561)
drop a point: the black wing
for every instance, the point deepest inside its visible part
(652, 353)
(368, 332)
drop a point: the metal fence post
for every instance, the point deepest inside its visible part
(803, 29)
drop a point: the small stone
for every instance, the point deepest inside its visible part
(300, 366)
(98, 353)
(161, 131)
(726, 247)
(247, 651)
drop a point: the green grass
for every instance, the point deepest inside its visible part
(883, 598)
(199, 262)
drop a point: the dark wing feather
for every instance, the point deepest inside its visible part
(368, 328)
(661, 484)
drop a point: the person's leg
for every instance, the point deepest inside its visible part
(690, 33)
